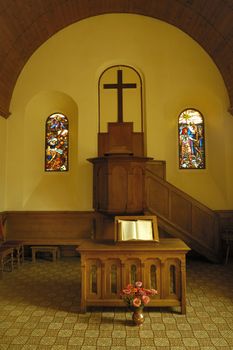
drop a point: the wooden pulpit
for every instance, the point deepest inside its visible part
(108, 265)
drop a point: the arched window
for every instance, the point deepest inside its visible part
(57, 143)
(191, 140)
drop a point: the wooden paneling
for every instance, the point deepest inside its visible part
(157, 196)
(120, 139)
(104, 228)
(203, 226)
(157, 167)
(180, 210)
(63, 227)
(118, 184)
(118, 188)
(135, 200)
(100, 186)
(152, 275)
(182, 216)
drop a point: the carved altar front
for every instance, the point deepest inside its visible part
(108, 268)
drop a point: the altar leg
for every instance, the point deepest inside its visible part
(83, 287)
(183, 288)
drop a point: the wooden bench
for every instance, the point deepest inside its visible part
(53, 250)
(61, 243)
(6, 258)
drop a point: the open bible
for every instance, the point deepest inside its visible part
(137, 229)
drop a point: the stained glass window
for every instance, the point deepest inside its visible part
(57, 142)
(191, 140)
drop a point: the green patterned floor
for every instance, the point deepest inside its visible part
(39, 309)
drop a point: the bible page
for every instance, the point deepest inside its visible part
(127, 230)
(144, 230)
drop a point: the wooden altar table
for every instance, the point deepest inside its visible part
(108, 268)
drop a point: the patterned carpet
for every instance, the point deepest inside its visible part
(39, 306)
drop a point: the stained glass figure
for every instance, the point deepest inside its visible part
(191, 140)
(57, 142)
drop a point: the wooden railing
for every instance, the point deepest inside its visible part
(182, 216)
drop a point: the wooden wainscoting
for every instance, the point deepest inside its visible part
(63, 228)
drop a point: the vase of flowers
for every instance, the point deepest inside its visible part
(136, 297)
(138, 316)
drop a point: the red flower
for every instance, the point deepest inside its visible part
(137, 296)
(136, 302)
(145, 299)
(126, 291)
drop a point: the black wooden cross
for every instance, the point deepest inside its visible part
(120, 86)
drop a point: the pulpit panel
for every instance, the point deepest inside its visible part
(118, 184)
(100, 188)
(117, 187)
(135, 189)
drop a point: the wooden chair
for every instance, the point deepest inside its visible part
(18, 250)
(6, 259)
(16, 245)
(227, 238)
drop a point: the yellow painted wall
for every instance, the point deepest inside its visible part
(62, 76)
(3, 133)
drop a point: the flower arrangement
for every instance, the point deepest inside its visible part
(135, 296)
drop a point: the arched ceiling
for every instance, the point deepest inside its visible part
(26, 24)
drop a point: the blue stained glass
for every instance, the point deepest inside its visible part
(57, 142)
(191, 140)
